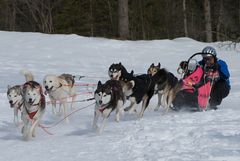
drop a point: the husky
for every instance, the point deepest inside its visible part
(152, 70)
(117, 71)
(109, 96)
(59, 88)
(166, 86)
(33, 108)
(142, 89)
(15, 98)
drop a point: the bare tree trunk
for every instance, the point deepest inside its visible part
(91, 17)
(41, 12)
(185, 18)
(142, 20)
(219, 21)
(10, 14)
(123, 23)
(239, 12)
(110, 15)
(192, 29)
(208, 23)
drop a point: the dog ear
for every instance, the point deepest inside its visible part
(152, 65)
(8, 86)
(39, 88)
(159, 65)
(99, 83)
(120, 63)
(132, 72)
(132, 83)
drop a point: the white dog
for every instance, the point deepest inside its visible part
(33, 108)
(59, 89)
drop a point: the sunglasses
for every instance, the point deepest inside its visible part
(208, 58)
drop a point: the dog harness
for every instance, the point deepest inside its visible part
(32, 114)
(20, 105)
(41, 102)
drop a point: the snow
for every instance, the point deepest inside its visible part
(174, 136)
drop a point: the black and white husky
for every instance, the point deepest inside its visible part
(109, 96)
(142, 87)
(33, 108)
(142, 90)
(15, 98)
(117, 71)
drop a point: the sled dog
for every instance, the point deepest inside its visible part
(142, 90)
(117, 71)
(15, 98)
(166, 86)
(59, 88)
(152, 70)
(33, 108)
(109, 96)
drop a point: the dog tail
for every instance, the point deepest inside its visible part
(28, 75)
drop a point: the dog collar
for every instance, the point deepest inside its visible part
(50, 90)
(103, 108)
(59, 86)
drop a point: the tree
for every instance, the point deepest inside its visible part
(208, 23)
(185, 18)
(41, 12)
(123, 22)
(220, 21)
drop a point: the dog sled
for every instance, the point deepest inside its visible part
(197, 84)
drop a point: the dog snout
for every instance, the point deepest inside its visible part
(30, 99)
(111, 75)
(100, 102)
(46, 87)
(11, 102)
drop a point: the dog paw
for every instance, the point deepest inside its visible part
(140, 115)
(67, 120)
(117, 120)
(126, 109)
(99, 131)
(132, 111)
(26, 138)
(94, 127)
(58, 113)
(156, 109)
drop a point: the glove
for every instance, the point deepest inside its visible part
(183, 65)
(213, 68)
(212, 76)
